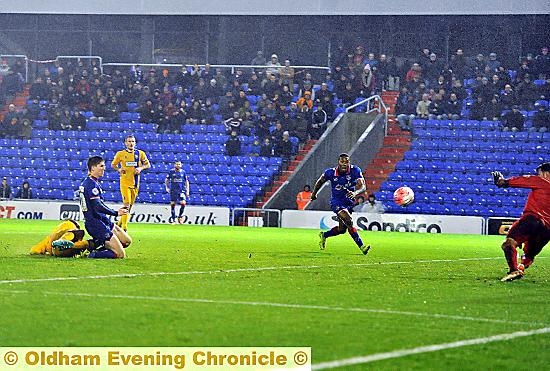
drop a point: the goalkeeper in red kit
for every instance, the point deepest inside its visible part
(532, 230)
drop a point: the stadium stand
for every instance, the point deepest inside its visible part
(53, 158)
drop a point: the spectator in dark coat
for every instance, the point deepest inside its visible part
(541, 120)
(283, 149)
(25, 192)
(513, 120)
(78, 121)
(508, 97)
(5, 190)
(266, 149)
(453, 107)
(233, 145)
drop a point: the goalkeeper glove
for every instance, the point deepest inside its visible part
(498, 179)
(497, 175)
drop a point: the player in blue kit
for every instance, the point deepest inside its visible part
(177, 184)
(347, 182)
(109, 239)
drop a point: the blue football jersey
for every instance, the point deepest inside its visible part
(91, 189)
(178, 181)
(342, 183)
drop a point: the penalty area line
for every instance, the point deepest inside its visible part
(426, 349)
(236, 270)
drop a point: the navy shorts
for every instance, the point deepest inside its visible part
(177, 197)
(337, 205)
(100, 232)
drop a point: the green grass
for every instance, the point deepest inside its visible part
(219, 286)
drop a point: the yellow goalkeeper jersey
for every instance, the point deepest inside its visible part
(128, 161)
(66, 230)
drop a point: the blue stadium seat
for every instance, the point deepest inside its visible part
(125, 116)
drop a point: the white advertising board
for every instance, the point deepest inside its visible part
(141, 213)
(387, 222)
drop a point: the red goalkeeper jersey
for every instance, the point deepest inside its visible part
(538, 201)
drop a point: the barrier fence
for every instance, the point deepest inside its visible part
(34, 68)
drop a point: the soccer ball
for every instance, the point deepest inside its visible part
(403, 196)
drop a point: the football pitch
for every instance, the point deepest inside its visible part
(416, 301)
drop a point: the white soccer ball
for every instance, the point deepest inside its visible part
(403, 196)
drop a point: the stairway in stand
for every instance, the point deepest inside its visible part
(396, 143)
(279, 179)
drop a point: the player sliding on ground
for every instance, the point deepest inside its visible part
(533, 228)
(65, 240)
(347, 183)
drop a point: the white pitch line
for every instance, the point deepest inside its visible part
(280, 305)
(426, 349)
(235, 270)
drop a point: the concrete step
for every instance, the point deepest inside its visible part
(397, 141)
(294, 164)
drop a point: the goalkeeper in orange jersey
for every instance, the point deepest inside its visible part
(129, 163)
(65, 240)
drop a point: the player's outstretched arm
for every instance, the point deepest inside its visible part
(360, 187)
(317, 186)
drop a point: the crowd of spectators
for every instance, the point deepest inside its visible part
(479, 88)
(275, 98)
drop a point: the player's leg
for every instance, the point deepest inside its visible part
(345, 217)
(133, 193)
(108, 245)
(115, 246)
(509, 246)
(526, 260)
(530, 232)
(536, 242)
(126, 197)
(334, 231)
(183, 202)
(172, 211)
(122, 236)
(517, 234)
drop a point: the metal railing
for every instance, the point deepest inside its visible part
(233, 67)
(77, 57)
(58, 58)
(101, 65)
(373, 103)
